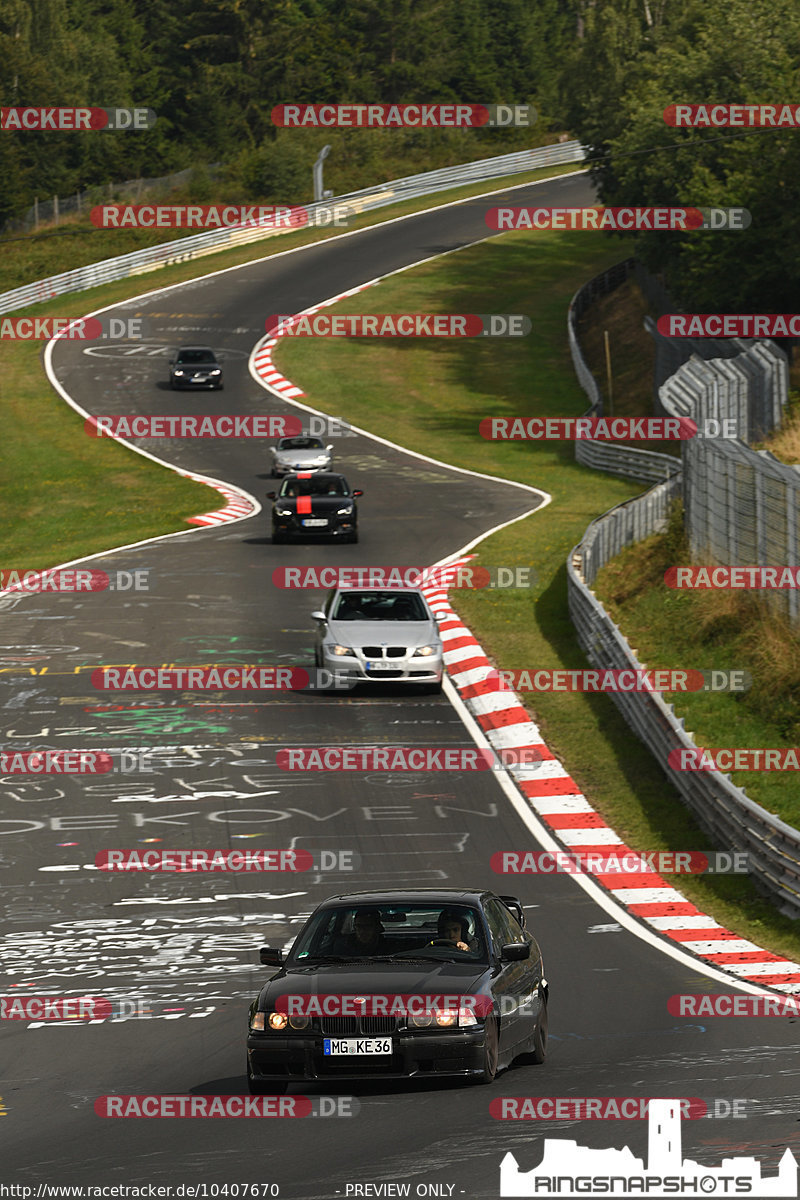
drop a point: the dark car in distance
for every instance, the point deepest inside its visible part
(195, 367)
(400, 985)
(313, 503)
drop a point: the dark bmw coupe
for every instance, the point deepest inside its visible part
(394, 985)
(311, 503)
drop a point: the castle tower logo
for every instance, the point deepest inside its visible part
(568, 1169)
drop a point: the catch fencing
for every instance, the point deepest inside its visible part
(646, 466)
(211, 241)
(742, 507)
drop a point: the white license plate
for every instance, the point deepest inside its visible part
(315, 521)
(200, 378)
(358, 1045)
(380, 665)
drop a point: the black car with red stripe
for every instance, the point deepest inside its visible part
(313, 504)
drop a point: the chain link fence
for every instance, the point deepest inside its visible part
(742, 507)
(45, 211)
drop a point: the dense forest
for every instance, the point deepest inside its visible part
(602, 70)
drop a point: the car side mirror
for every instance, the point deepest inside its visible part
(319, 616)
(329, 447)
(515, 951)
(172, 362)
(274, 449)
(271, 495)
(270, 957)
(441, 616)
(358, 492)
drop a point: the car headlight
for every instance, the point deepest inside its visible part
(257, 1022)
(424, 651)
(340, 650)
(345, 512)
(283, 512)
(277, 1021)
(177, 372)
(443, 1018)
(216, 371)
(299, 1022)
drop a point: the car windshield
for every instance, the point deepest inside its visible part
(380, 606)
(300, 443)
(193, 357)
(436, 932)
(317, 485)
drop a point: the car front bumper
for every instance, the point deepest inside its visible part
(293, 527)
(299, 1057)
(427, 669)
(285, 469)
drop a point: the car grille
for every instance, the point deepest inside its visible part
(383, 651)
(353, 1026)
(384, 674)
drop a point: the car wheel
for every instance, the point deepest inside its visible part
(491, 1051)
(539, 1052)
(538, 1048)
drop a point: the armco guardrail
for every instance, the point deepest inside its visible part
(211, 241)
(730, 818)
(645, 465)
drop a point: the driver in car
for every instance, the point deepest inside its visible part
(452, 928)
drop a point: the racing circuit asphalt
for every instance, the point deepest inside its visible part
(190, 943)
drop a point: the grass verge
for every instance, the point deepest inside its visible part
(106, 495)
(430, 397)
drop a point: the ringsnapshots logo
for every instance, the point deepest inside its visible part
(619, 220)
(184, 1106)
(592, 862)
(729, 325)
(404, 116)
(399, 325)
(260, 861)
(474, 578)
(569, 1170)
(75, 120)
(268, 217)
(198, 425)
